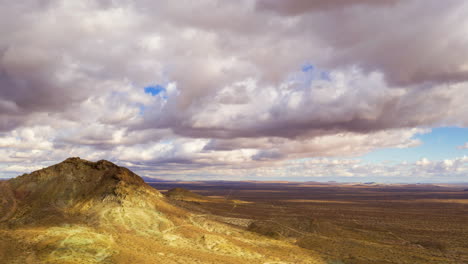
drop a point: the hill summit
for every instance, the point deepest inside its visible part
(76, 186)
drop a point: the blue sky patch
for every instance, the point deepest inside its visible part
(307, 67)
(155, 89)
(441, 143)
(142, 109)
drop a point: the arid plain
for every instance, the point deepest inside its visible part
(79, 211)
(345, 223)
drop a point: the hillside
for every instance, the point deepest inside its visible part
(97, 212)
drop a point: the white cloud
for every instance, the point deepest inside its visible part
(423, 162)
(72, 76)
(465, 146)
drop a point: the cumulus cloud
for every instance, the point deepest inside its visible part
(319, 169)
(256, 83)
(465, 146)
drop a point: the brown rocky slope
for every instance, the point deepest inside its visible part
(97, 212)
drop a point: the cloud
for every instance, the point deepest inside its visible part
(457, 165)
(349, 101)
(395, 37)
(297, 7)
(465, 146)
(342, 144)
(326, 169)
(253, 82)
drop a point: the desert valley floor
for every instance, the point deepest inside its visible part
(346, 223)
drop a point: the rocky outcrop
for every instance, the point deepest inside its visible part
(77, 187)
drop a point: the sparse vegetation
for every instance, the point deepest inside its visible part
(351, 224)
(101, 213)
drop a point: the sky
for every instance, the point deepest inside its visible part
(297, 90)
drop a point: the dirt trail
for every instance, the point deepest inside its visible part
(8, 204)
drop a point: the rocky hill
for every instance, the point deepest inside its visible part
(75, 188)
(97, 212)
